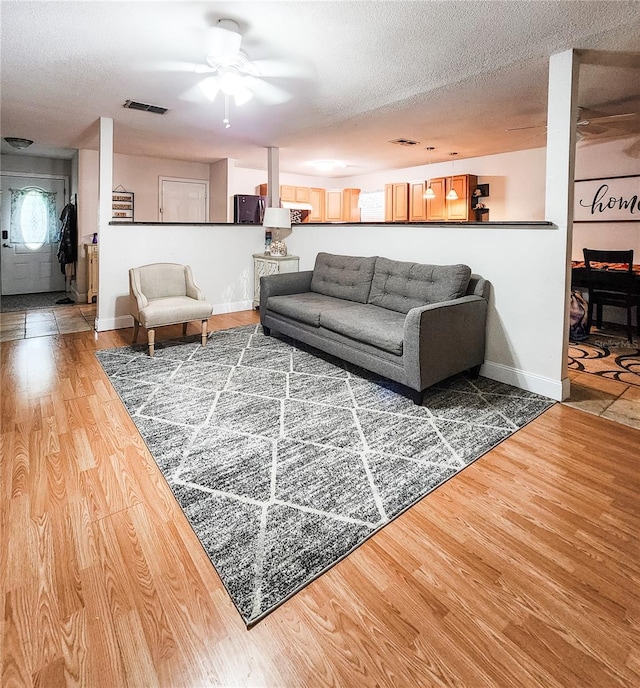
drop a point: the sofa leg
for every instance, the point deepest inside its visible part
(266, 331)
(203, 337)
(417, 396)
(184, 329)
(151, 340)
(474, 373)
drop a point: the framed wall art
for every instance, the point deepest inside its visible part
(607, 199)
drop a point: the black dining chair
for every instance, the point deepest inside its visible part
(609, 284)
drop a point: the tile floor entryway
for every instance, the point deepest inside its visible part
(47, 321)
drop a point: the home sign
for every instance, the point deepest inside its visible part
(607, 199)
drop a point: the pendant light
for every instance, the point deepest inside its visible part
(429, 193)
(452, 195)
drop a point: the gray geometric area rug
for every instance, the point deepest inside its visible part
(284, 459)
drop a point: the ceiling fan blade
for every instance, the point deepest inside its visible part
(266, 92)
(539, 126)
(177, 66)
(610, 119)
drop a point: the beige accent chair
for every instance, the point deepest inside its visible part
(165, 294)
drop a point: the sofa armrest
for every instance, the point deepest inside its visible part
(443, 338)
(281, 285)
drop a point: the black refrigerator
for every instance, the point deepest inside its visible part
(249, 209)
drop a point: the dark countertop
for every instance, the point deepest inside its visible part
(364, 224)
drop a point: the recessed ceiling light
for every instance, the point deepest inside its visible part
(327, 165)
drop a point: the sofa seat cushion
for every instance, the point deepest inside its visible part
(173, 309)
(305, 307)
(343, 277)
(401, 286)
(379, 327)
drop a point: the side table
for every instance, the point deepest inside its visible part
(265, 264)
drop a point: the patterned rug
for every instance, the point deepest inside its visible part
(607, 355)
(284, 459)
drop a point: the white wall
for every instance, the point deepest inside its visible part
(141, 175)
(220, 256)
(31, 164)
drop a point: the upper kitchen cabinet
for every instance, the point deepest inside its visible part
(396, 206)
(436, 206)
(317, 198)
(417, 202)
(342, 205)
(441, 209)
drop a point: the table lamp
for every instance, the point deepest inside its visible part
(278, 220)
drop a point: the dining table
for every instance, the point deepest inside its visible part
(579, 272)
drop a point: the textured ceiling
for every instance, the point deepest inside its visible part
(449, 74)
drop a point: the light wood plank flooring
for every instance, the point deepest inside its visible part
(523, 570)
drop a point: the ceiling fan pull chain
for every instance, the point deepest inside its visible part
(227, 124)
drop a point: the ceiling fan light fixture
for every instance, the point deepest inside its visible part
(18, 143)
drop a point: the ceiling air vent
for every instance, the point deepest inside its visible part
(135, 105)
(405, 142)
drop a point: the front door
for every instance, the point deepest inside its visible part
(183, 200)
(32, 266)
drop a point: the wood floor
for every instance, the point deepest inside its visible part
(523, 570)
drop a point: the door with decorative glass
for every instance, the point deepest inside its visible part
(30, 226)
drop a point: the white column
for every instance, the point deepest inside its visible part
(105, 188)
(273, 177)
(562, 115)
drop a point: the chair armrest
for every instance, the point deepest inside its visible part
(193, 291)
(286, 283)
(442, 339)
(137, 300)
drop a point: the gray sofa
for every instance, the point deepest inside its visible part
(415, 324)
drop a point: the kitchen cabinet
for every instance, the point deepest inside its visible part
(439, 209)
(460, 210)
(417, 202)
(342, 205)
(436, 207)
(287, 193)
(396, 207)
(317, 198)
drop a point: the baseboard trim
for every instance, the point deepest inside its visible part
(120, 322)
(553, 389)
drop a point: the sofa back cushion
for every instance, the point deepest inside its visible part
(401, 286)
(343, 277)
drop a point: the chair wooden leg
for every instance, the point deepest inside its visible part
(599, 315)
(204, 332)
(629, 325)
(151, 339)
(184, 329)
(136, 328)
(589, 313)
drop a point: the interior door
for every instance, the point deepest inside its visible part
(183, 200)
(25, 269)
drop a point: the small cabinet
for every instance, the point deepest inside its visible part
(122, 206)
(436, 206)
(264, 264)
(342, 205)
(442, 209)
(317, 198)
(91, 252)
(417, 202)
(396, 207)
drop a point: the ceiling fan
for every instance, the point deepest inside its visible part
(593, 124)
(229, 71)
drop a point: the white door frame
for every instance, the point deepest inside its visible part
(187, 180)
(66, 196)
